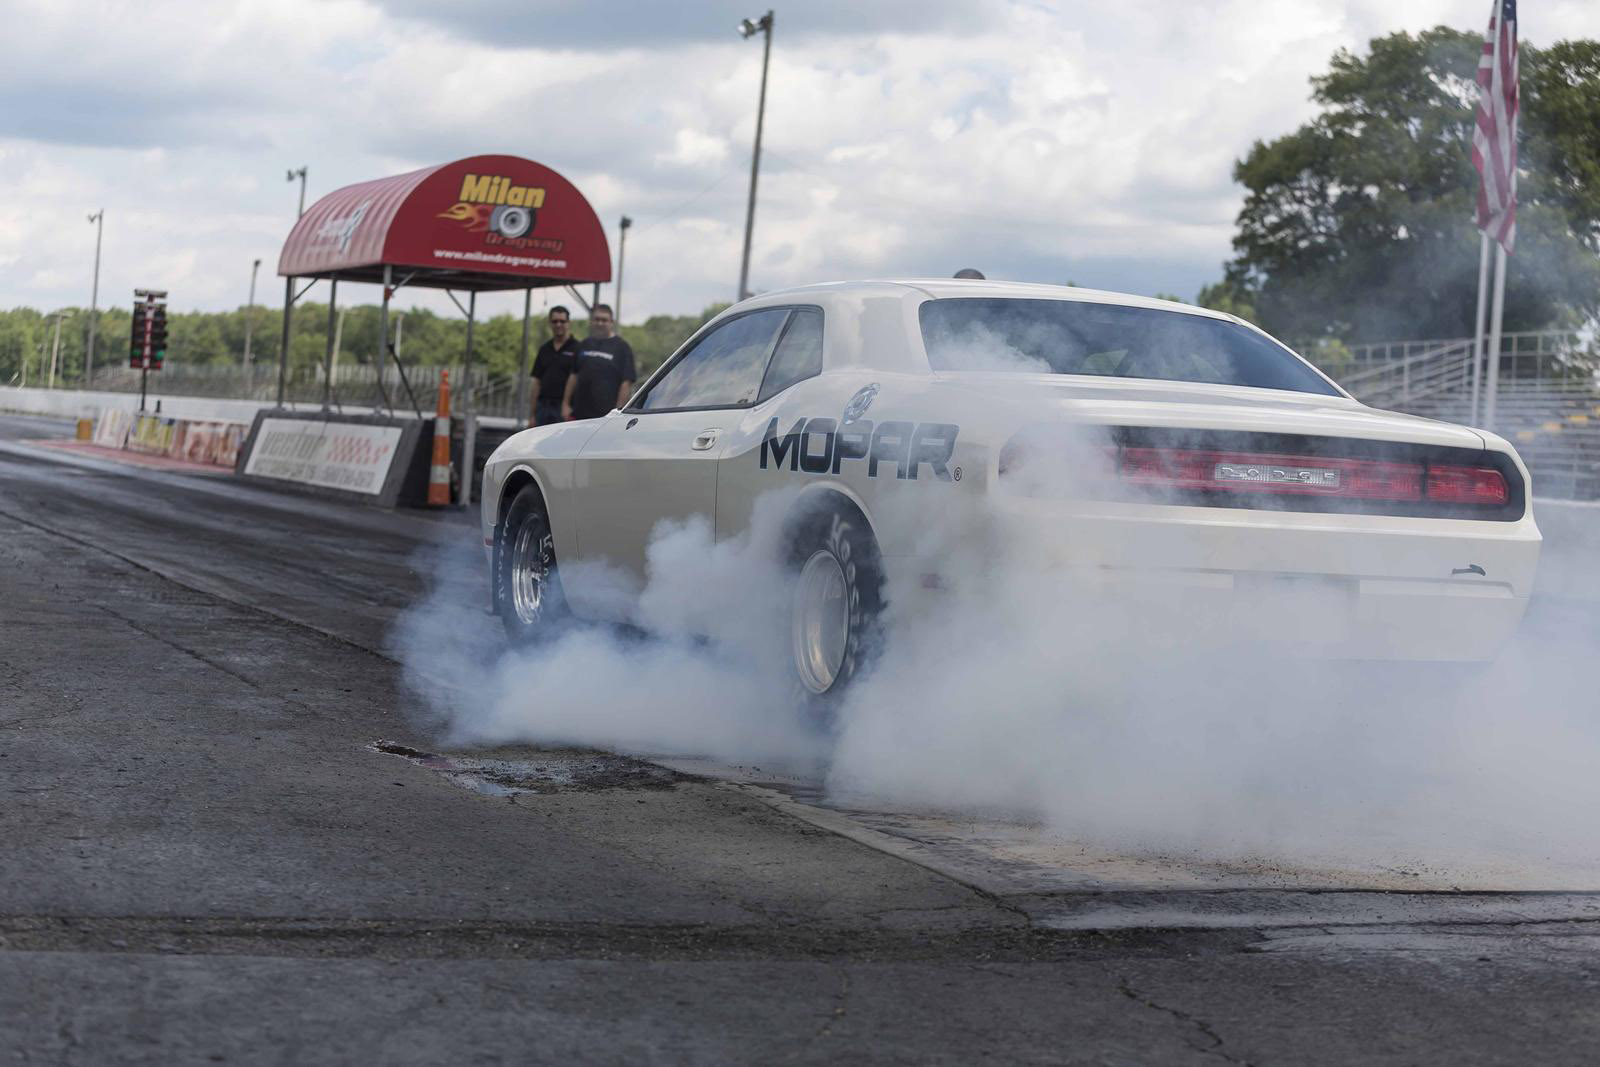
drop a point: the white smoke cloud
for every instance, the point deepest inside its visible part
(694, 673)
(1015, 687)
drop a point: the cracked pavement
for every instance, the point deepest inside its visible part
(206, 861)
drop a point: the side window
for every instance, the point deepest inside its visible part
(723, 369)
(799, 354)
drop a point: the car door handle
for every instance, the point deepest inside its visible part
(704, 440)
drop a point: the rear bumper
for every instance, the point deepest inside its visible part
(1321, 586)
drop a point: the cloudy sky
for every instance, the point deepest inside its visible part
(1047, 141)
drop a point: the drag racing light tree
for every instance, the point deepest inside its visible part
(747, 30)
(148, 340)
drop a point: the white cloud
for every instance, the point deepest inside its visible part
(1033, 140)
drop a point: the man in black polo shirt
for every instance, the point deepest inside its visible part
(553, 366)
(603, 376)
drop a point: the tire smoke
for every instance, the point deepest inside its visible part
(1015, 688)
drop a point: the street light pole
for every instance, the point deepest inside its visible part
(622, 254)
(55, 349)
(288, 296)
(748, 29)
(249, 318)
(99, 219)
(300, 172)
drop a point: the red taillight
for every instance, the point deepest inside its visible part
(1036, 463)
(1467, 485)
(1239, 472)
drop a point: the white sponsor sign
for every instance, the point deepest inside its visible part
(334, 455)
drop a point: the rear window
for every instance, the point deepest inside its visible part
(1106, 340)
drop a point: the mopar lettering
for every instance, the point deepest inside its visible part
(788, 445)
(821, 445)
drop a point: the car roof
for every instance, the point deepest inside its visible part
(957, 288)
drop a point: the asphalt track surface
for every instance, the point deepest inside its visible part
(204, 860)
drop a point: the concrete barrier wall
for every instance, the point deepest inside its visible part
(75, 404)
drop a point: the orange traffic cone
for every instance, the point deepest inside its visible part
(439, 473)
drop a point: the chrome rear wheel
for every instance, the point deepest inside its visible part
(820, 624)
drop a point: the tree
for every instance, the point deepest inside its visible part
(1359, 225)
(217, 338)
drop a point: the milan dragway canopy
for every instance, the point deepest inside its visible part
(479, 224)
(482, 223)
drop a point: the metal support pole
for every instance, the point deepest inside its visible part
(1497, 309)
(327, 359)
(1477, 323)
(99, 220)
(469, 423)
(288, 296)
(764, 25)
(338, 349)
(55, 350)
(283, 349)
(523, 413)
(596, 300)
(383, 328)
(249, 323)
(622, 255)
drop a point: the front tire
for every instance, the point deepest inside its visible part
(835, 607)
(527, 593)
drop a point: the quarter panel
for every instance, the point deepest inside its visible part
(637, 470)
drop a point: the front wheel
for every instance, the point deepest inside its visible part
(835, 606)
(528, 592)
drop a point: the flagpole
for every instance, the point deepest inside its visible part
(1497, 307)
(1477, 321)
(1492, 387)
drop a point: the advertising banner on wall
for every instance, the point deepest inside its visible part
(366, 458)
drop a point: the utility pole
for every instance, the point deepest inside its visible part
(55, 350)
(299, 172)
(288, 297)
(249, 319)
(622, 253)
(748, 29)
(99, 220)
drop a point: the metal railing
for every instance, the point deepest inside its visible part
(353, 386)
(1438, 373)
(1417, 372)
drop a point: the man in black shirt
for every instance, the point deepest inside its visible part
(603, 376)
(552, 366)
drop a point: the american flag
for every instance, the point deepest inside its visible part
(1494, 141)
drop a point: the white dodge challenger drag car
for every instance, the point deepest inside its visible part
(1157, 445)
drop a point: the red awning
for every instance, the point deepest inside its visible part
(487, 222)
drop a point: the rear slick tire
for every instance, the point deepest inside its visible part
(836, 603)
(527, 587)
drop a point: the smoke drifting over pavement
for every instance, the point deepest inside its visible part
(1015, 689)
(702, 676)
